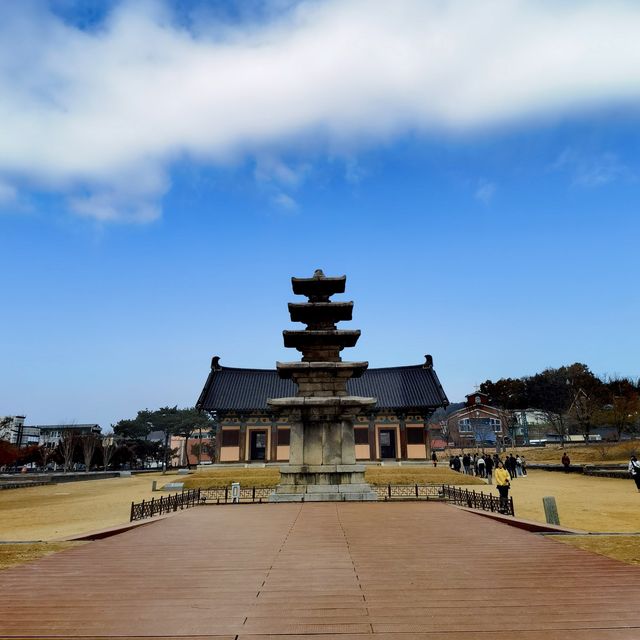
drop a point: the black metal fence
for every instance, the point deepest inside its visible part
(164, 504)
(226, 495)
(477, 500)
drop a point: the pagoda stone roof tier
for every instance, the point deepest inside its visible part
(319, 288)
(320, 402)
(323, 339)
(345, 369)
(320, 313)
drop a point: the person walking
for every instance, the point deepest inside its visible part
(457, 464)
(566, 462)
(518, 466)
(503, 482)
(434, 459)
(634, 470)
(481, 467)
(488, 463)
(466, 463)
(524, 466)
(512, 466)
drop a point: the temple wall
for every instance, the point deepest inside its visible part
(276, 452)
(362, 452)
(283, 453)
(229, 454)
(416, 451)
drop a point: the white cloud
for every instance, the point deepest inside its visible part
(485, 191)
(271, 169)
(592, 170)
(80, 109)
(8, 194)
(285, 202)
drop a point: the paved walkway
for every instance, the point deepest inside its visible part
(319, 571)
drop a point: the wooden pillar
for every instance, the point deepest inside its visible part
(373, 454)
(273, 453)
(218, 431)
(242, 442)
(427, 436)
(403, 436)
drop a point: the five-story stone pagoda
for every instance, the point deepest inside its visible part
(322, 463)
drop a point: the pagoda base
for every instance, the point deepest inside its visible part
(323, 483)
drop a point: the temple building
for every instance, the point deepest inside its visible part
(248, 430)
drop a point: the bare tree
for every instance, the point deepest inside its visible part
(46, 452)
(67, 446)
(559, 425)
(109, 446)
(89, 445)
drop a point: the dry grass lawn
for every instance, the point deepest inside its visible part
(604, 452)
(14, 554)
(584, 502)
(624, 548)
(60, 510)
(269, 477)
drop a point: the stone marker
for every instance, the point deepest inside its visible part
(183, 472)
(125, 474)
(173, 486)
(322, 463)
(550, 510)
(154, 485)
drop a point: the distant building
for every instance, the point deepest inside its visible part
(15, 431)
(50, 434)
(18, 433)
(477, 423)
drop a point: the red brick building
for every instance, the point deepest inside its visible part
(477, 423)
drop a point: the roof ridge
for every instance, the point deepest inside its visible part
(245, 369)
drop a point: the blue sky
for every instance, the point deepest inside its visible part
(157, 193)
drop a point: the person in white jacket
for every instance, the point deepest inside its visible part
(634, 470)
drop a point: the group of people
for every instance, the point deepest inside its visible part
(483, 466)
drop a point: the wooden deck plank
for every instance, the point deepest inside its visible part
(408, 571)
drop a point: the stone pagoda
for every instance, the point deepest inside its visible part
(322, 463)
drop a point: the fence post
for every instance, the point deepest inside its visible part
(226, 494)
(416, 489)
(131, 516)
(389, 490)
(513, 511)
(253, 495)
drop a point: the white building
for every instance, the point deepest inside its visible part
(13, 430)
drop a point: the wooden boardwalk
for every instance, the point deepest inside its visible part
(319, 571)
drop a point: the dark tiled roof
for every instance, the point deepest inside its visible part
(232, 389)
(63, 427)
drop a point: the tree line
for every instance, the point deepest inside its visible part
(127, 446)
(572, 399)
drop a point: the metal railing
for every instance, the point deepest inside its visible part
(477, 500)
(223, 495)
(409, 492)
(389, 492)
(164, 504)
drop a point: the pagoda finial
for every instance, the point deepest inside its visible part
(318, 274)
